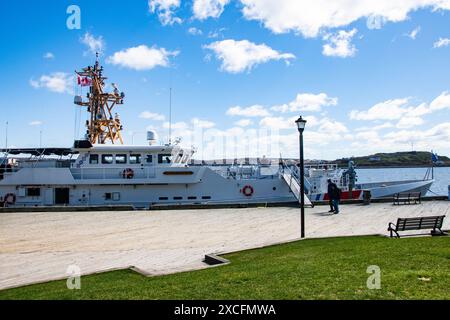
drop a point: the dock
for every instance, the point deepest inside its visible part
(39, 246)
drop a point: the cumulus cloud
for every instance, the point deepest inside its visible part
(93, 44)
(441, 102)
(152, 116)
(252, 111)
(59, 82)
(49, 56)
(339, 44)
(240, 56)
(413, 34)
(204, 9)
(195, 31)
(387, 110)
(307, 102)
(142, 57)
(310, 17)
(198, 123)
(165, 9)
(244, 123)
(442, 42)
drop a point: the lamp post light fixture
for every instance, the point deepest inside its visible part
(301, 123)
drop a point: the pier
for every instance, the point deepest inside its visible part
(39, 246)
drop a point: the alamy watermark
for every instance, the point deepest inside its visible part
(374, 280)
(73, 22)
(74, 280)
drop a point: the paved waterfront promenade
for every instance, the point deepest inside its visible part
(38, 247)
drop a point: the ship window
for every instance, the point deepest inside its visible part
(121, 158)
(164, 158)
(163, 198)
(149, 158)
(177, 198)
(192, 198)
(108, 196)
(33, 192)
(135, 158)
(93, 159)
(206, 197)
(107, 158)
(116, 196)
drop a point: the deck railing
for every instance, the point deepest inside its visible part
(111, 173)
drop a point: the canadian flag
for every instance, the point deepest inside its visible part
(84, 81)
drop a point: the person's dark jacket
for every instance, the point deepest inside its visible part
(334, 192)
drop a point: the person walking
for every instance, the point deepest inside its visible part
(330, 202)
(335, 196)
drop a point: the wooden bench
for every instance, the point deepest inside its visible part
(406, 224)
(407, 197)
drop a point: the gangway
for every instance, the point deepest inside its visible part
(292, 180)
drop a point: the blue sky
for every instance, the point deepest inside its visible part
(367, 79)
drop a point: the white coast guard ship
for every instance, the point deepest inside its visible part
(94, 173)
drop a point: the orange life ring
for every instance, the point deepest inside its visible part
(248, 191)
(128, 173)
(10, 198)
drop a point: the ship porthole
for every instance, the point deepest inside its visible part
(274, 188)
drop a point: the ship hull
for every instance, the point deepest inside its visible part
(381, 189)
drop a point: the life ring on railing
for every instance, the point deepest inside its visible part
(248, 191)
(10, 199)
(128, 173)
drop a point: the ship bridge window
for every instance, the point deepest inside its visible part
(164, 158)
(149, 158)
(135, 158)
(107, 158)
(121, 158)
(93, 159)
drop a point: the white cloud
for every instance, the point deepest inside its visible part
(165, 9)
(339, 44)
(442, 42)
(204, 9)
(59, 82)
(413, 34)
(252, 111)
(387, 110)
(35, 123)
(307, 102)
(198, 123)
(94, 44)
(278, 123)
(310, 17)
(49, 56)
(409, 122)
(441, 102)
(176, 125)
(195, 31)
(152, 116)
(240, 56)
(244, 123)
(142, 57)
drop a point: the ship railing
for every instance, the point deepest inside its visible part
(294, 172)
(111, 173)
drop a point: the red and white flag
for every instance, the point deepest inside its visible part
(84, 81)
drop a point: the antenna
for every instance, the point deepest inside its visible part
(6, 142)
(170, 115)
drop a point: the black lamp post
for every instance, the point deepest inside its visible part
(301, 127)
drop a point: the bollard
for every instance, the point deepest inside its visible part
(366, 197)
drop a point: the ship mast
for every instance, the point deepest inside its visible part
(102, 127)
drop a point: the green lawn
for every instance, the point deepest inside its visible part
(334, 268)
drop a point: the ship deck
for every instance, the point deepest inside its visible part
(39, 246)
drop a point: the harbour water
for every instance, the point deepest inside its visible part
(439, 187)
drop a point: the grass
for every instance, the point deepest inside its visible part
(333, 268)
